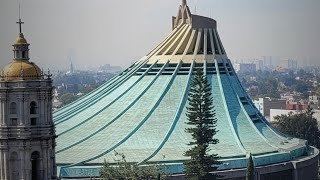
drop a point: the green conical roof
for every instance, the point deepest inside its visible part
(141, 111)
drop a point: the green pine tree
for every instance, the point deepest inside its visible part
(202, 127)
(250, 169)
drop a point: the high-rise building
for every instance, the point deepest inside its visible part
(245, 68)
(27, 133)
(142, 114)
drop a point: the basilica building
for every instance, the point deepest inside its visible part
(141, 113)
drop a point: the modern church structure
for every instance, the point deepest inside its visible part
(27, 134)
(142, 113)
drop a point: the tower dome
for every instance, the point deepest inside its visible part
(21, 68)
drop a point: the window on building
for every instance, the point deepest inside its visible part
(33, 108)
(33, 121)
(14, 121)
(35, 166)
(23, 54)
(13, 108)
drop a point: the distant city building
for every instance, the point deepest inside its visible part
(265, 104)
(259, 64)
(109, 69)
(286, 65)
(314, 100)
(245, 68)
(298, 106)
(71, 69)
(55, 101)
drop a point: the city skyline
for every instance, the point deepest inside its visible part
(64, 30)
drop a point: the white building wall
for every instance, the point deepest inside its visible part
(259, 104)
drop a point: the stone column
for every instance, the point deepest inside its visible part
(42, 113)
(4, 111)
(47, 110)
(26, 111)
(44, 148)
(2, 107)
(22, 163)
(21, 109)
(295, 171)
(28, 163)
(6, 164)
(53, 160)
(41, 163)
(49, 163)
(1, 112)
(50, 118)
(1, 164)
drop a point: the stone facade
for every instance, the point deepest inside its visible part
(27, 134)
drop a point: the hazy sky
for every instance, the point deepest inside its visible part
(118, 32)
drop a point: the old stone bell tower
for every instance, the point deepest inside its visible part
(27, 133)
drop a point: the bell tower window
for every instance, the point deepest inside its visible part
(33, 121)
(35, 165)
(13, 108)
(33, 113)
(33, 108)
(24, 55)
(14, 122)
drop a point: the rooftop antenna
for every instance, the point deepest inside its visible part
(20, 22)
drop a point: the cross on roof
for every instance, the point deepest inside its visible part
(20, 23)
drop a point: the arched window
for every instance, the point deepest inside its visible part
(33, 107)
(14, 166)
(35, 165)
(13, 108)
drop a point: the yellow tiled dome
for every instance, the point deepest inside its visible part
(17, 70)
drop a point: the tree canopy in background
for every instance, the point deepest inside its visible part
(302, 125)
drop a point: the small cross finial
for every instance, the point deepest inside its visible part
(20, 22)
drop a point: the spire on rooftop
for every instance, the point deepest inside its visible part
(184, 3)
(184, 15)
(20, 22)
